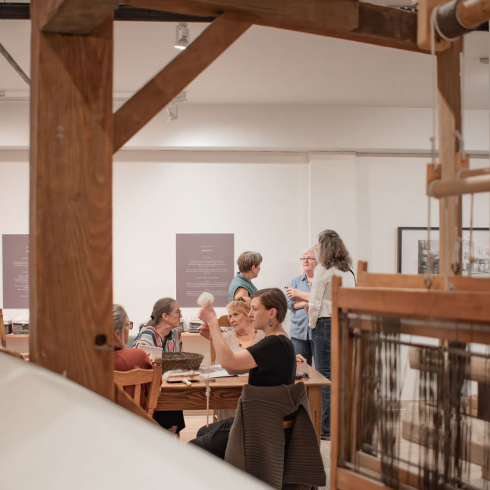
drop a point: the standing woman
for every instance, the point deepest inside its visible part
(298, 296)
(161, 331)
(248, 269)
(333, 260)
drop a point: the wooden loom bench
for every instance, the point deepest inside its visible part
(225, 393)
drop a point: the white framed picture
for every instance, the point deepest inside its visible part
(413, 251)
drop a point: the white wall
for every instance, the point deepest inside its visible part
(276, 127)
(274, 201)
(261, 198)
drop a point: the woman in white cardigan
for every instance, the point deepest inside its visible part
(333, 259)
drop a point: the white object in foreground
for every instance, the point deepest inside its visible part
(56, 434)
(205, 299)
(153, 352)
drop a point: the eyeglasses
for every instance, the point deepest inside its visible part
(239, 299)
(130, 325)
(178, 312)
(307, 258)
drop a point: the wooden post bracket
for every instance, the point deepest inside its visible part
(160, 91)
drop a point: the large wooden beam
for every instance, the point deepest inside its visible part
(449, 102)
(343, 19)
(297, 14)
(160, 91)
(71, 322)
(465, 306)
(80, 17)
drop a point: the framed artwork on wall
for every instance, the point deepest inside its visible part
(413, 250)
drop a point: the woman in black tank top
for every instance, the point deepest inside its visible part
(270, 362)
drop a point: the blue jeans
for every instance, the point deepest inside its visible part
(305, 348)
(322, 346)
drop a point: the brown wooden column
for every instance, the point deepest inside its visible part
(449, 100)
(71, 200)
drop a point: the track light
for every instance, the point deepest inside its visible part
(172, 112)
(182, 36)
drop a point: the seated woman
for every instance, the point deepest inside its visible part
(128, 359)
(243, 336)
(270, 362)
(161, 331)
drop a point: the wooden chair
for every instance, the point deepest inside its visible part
(138, 377)
(3, 339)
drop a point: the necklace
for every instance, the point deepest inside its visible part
(238, 340)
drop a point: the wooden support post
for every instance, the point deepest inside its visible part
(335, 387)
(450, 214)
(71, 321)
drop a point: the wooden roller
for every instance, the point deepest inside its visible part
(427, 359)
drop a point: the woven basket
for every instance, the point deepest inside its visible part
(181, 360)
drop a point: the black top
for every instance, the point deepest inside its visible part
(276, 362)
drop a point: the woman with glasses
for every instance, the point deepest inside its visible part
(162, 331)
(333, 260)
(298, 295)
(128, 359)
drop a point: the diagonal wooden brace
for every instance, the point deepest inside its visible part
(160, 91)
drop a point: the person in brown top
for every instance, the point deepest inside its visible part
(128, 359)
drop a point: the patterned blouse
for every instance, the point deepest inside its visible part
(149, 336)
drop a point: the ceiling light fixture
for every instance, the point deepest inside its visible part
(182, 36)
(172, 112)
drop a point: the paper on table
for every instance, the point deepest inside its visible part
(222, 373)
(153, 352)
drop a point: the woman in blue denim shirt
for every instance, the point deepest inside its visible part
(333, 259)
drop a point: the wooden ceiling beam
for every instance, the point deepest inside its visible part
(80, 17)
(297, 15)
(167, 84)
(344, 19)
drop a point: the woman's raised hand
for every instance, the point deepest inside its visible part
(204, 331)
(207, 314)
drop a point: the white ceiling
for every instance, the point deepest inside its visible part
(273, 66)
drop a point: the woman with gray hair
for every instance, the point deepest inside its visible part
(248, 269)
(161, 331)
(298, 295)
(128, 359)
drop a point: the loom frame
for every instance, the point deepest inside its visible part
(404, 298)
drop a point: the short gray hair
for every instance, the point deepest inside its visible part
(120, 317)
(247, 260)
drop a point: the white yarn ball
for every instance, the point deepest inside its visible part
(205, 299)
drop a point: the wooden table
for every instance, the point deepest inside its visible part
(225, 393)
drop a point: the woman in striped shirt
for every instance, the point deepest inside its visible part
(161, 331)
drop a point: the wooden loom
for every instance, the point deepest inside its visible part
(74, 135)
